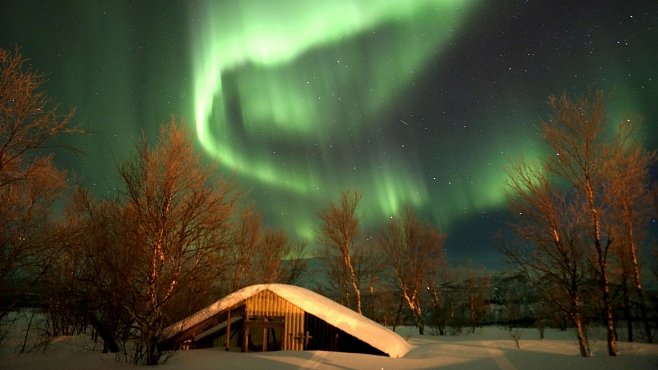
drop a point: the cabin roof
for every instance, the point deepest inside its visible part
(315, 304)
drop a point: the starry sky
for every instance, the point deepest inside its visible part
(419, 103)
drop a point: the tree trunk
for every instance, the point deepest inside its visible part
(152, 356)
(605, 294)
(627, 307)
(643, 312)
(602, 259)
(636, 274)
(640, 294)
(436, 300)
(472, 317)
(396, 321)
(583, 343)
(418, 314)
(416, 310)
(109, 342)
(354, 281)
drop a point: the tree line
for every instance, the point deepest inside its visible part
(176, 235)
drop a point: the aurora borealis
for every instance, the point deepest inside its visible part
(418, 102)
(311, 78)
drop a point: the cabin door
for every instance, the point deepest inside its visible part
(263, 333)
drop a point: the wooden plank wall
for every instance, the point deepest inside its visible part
(267, 303)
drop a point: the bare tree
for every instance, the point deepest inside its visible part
(441, 292)
(477, 289)
(588, 164)
(413, 250)
(95, 268)
(245, 243)
(370, 265)
(268, 261)
(338, 234)
(577, 135)
(168, 230)
(66, 304)
(28, 121)
(258, 254)
(27, 232)
(627, 192)
(29, 182)
(552, 256)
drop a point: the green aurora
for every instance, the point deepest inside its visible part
(419, 103)
(315, 80)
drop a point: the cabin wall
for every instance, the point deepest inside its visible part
(268, 304)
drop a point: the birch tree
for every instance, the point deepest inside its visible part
(338, 233)
(175, 223)
(260, 255)
(552, 254)
(413, 250)
(629, 194)
(602, 177)
(576, 134)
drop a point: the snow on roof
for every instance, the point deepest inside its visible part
(317, 305)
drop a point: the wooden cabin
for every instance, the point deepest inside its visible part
(273, 317)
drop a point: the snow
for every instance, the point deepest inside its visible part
(324, 308)
(488, 348)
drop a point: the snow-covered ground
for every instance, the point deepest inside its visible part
(488, 348)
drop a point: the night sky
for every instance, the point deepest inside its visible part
(410, 102)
